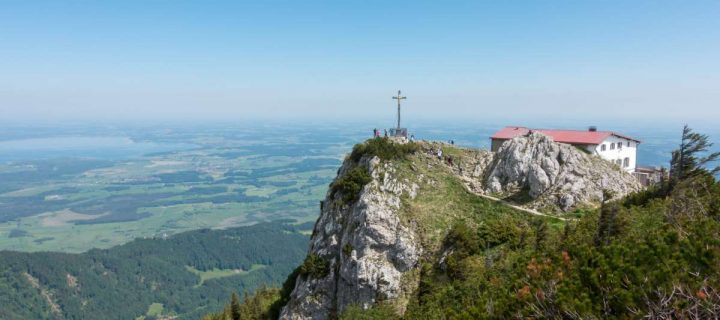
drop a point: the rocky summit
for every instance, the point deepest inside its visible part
(389, 211)
(550, 174)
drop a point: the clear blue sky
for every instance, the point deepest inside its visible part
(638, 60)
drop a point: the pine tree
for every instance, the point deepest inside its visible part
(608, 226)
(541, 234)
(235, 312)
(686, 161)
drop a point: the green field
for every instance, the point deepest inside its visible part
(221, 273)
(75, 204)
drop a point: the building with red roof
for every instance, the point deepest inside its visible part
(618, 148)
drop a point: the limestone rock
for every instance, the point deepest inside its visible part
(554, 173)
(368, 248)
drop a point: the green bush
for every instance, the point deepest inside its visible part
(613, 263)
(350, 184)
(347, 249)
(315, 266)
(383, 148)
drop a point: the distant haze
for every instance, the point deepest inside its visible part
(628, 61)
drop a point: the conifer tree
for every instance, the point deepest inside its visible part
(608, 226)
(541, 234)
(235, 312)
(687, 161)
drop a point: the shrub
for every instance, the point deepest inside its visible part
(350, 184)
(315, 266)
(383, 148)
(347, 249)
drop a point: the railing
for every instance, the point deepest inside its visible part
(398, 132)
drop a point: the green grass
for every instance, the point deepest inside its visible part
(155, 309)
(446, 194)
(221, 273)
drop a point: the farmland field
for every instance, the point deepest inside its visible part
(95, 188)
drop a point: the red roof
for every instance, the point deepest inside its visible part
(564, 136)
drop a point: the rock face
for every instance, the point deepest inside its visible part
(554, 174)
(369, 251)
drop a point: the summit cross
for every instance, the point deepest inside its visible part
(398, 98)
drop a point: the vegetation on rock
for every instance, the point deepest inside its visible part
(383, 148)
(350, 184)
(314, 266)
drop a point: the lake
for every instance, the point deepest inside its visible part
(99, 147)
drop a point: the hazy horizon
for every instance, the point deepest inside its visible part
(639, 61)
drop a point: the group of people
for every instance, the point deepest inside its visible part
(449, 159)
(376, 133)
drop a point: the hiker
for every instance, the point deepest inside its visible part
(375, 133)
(385, 133)
(452, 142)
(450, 160)
(412, 138)
(439, 154)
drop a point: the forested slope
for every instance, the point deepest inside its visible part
(187, 274)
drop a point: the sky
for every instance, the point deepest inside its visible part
(629, 61)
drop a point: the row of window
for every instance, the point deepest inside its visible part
(613, 145)
(623, 162)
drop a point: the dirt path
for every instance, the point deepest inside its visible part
(530, 211)
(467, 182)
(431, 157)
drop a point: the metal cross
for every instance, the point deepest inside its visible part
(398, 98)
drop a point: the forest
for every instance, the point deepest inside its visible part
(184, 275)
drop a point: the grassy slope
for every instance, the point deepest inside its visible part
(443, 201)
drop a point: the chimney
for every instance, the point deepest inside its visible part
(592, 128)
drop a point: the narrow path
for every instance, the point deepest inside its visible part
(430, 156)
(514, 206)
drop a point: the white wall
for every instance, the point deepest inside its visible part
(619, 153)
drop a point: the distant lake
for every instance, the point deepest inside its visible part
(100, 147)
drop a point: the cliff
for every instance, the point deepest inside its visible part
(392, 205)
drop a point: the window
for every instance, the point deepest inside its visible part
(619, 145)
(612, 146)
(602, 147)
(628, 143)
(626, 162)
